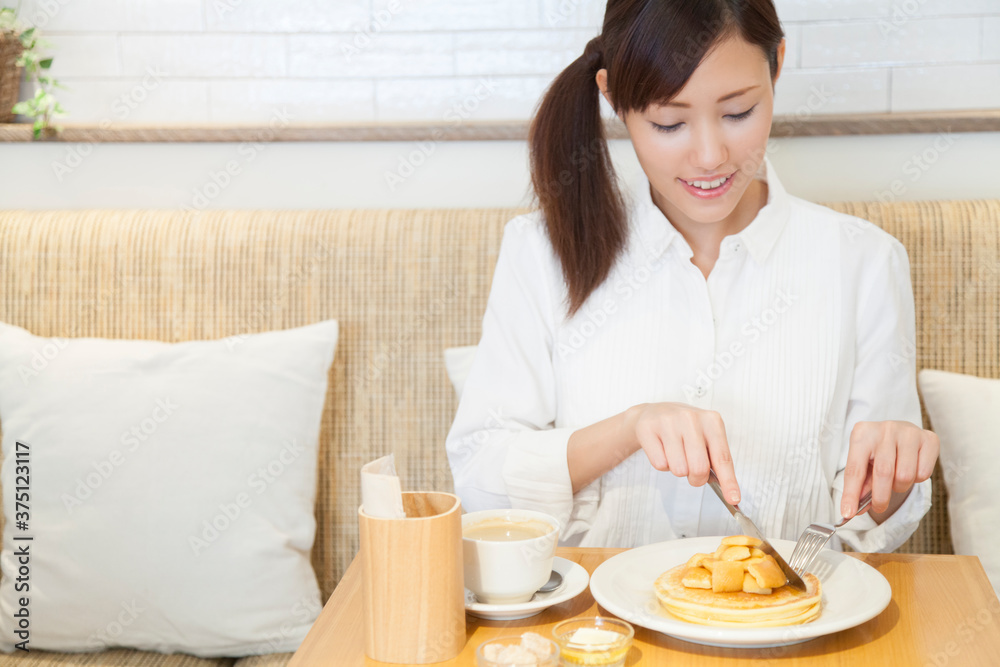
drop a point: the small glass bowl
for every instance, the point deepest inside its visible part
(514, 640)
(610, 654)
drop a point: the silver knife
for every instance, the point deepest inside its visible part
(748, 528)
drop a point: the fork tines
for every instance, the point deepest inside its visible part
(812, 540)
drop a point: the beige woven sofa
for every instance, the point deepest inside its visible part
(404, 285)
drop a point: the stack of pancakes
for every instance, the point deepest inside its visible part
(738, 586)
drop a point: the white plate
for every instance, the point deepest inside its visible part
(853, 593)
(575, 580)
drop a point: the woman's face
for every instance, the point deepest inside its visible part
(702, 149)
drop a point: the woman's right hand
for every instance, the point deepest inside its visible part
(685, 440)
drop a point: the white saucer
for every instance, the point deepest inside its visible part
(575, 580)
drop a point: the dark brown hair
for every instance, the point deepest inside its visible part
(650, 49)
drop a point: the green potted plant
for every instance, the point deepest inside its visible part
(20, 52)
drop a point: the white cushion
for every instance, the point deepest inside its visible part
(170, 493)
(458, 361)
(965, 413)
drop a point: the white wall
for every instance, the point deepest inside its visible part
(226, 62)
(449, 174)
(237, 61)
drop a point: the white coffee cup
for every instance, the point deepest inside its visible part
(508, 571)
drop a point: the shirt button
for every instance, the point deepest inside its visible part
(736, 247)
(699, 391)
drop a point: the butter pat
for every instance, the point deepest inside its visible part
(594, 639)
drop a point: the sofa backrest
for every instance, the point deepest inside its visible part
(954, 250)
(404, 286)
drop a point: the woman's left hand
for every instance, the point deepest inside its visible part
(899, 454)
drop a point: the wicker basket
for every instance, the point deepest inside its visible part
(10, 75)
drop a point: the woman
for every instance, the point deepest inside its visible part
(704, 319)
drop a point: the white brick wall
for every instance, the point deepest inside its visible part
(240, 61)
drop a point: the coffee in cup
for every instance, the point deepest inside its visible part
(506, 530)
(508, 553)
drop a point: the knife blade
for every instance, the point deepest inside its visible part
(748, 528)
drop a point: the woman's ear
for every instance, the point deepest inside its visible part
(781, 61)
(602, 84)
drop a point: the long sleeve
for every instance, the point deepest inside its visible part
(503, 448)
(884, 388)
(796, 336)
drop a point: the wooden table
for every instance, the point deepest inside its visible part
(943, 612)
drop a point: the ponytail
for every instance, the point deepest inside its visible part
(574, 180)
(649, 52)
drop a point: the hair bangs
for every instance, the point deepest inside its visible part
(661, 49)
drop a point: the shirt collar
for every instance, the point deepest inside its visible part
(656, 234)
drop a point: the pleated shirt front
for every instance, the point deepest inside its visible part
(804, 327)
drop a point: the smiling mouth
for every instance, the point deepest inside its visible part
(710, 185)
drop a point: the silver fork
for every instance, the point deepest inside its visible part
(815, 537)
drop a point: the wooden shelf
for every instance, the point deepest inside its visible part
(987, 120)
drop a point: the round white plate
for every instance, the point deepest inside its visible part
(575, 580)
(853, 593)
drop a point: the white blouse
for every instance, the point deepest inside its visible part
(804, 327)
